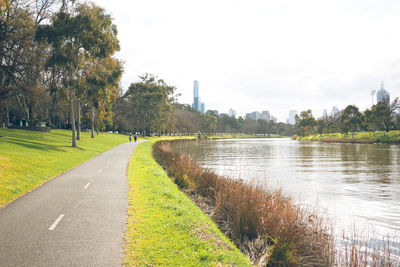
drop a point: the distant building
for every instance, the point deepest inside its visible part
(274, 119)
(197, 104)
(196, 98)
(255, 116)
(265, 115)
(232, 113)
(335, 111)
(202, 107)
(292, 116)
(382, 95)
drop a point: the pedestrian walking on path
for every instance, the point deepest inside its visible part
(130, 137)
(135, 137)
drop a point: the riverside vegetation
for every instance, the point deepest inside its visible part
(391, 137)
(164, 227)
(269, 227)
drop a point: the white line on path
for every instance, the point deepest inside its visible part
(100, 170)
(54, 225)
(86, 186)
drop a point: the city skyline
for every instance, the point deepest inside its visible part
(305, 58)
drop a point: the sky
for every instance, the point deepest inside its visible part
(261, 54)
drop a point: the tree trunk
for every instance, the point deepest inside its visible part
(78, 136)
(92, 136)
(71, 105)
(1, 115)
(8, 115)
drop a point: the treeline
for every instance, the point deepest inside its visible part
(149, 106)
(56, 64)
(383, 117)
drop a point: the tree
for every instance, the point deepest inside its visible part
(209, 122)
(383, 116)
(150, 102)
(101, 85)
(351, 119)
(305, 123)
(85, 32)
(370, 119)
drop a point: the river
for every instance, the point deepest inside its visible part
(356, 185)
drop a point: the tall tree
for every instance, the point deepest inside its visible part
(150, 100)
(82, 32)
(351, 119)
(305, 123)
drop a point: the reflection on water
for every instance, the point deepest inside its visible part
(353, 183)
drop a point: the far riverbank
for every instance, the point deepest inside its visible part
(391, 137)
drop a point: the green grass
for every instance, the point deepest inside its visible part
(164, 227)
(28, 158)
(380, 137)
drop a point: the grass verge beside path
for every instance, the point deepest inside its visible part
(164, 227)
(392, 137)
(28, 158)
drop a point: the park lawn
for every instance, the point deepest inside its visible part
(379, 137)
(29, 158)
(164, 226)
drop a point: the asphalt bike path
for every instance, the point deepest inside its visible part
(76, 219)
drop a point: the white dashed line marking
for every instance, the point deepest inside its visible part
(86, 186)
(54, 225)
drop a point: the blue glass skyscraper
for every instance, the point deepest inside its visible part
(196, 99)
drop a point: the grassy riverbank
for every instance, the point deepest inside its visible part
(392, 137)
(164, 227)
(28, 158)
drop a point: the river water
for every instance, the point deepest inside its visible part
(356, 185)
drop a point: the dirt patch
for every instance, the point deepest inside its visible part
(344, 140)
(204, 233)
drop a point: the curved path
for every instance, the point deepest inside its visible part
(76, 219)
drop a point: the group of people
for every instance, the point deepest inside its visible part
(134, 137)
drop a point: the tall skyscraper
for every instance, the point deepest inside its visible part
(202, 107)
(382, 95)
(196, 99)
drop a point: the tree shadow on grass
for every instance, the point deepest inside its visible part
(39, 146)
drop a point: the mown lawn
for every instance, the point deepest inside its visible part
(164, 227)
(379, 137)
(28, 158)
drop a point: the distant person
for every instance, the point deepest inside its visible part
(130, 137)
(135, 137)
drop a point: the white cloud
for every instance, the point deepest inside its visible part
(263, 55)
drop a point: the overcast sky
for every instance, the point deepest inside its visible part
(263, 55)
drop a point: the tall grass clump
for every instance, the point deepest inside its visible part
(265, 225)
